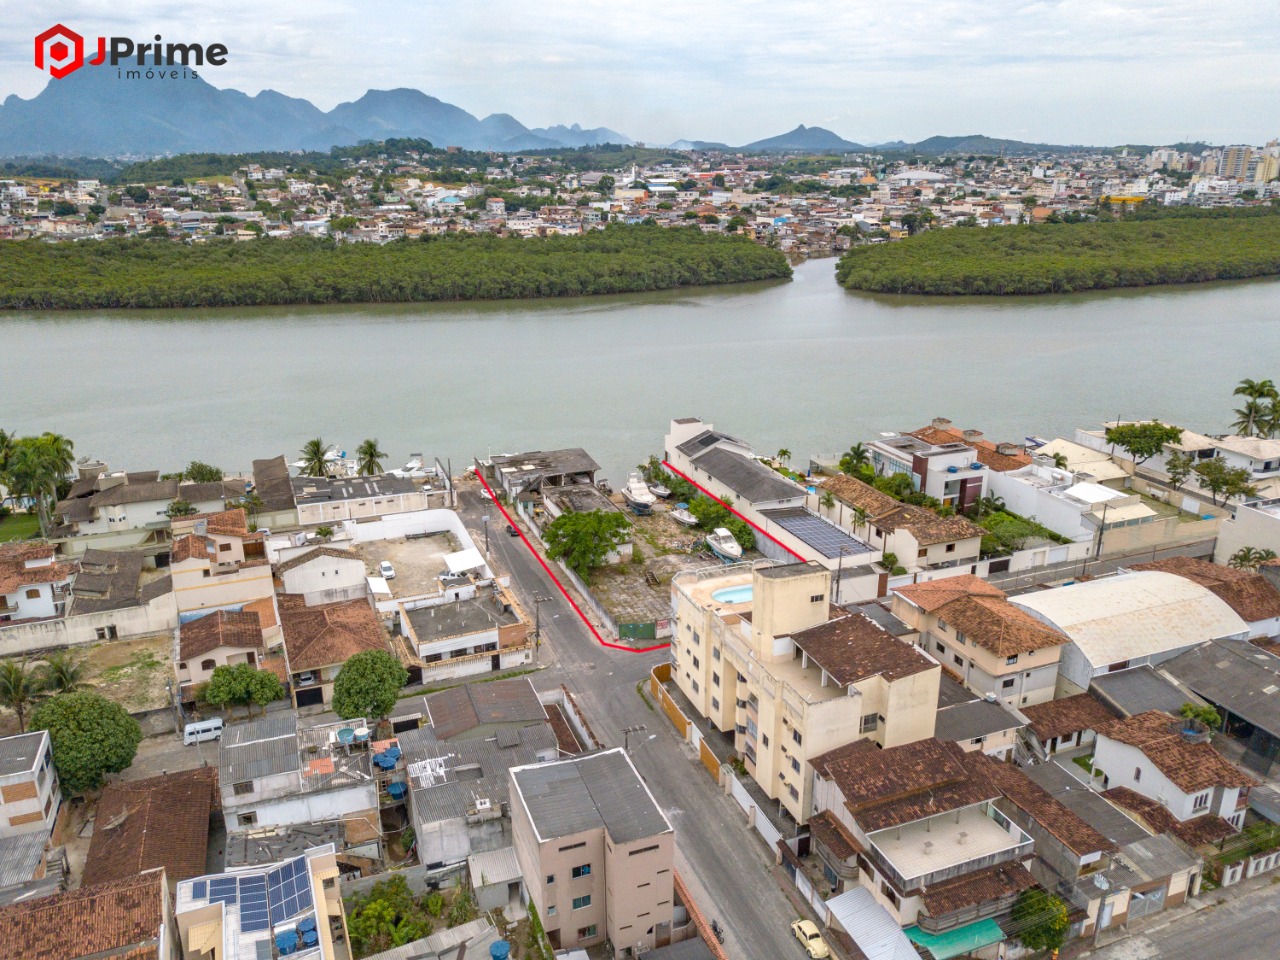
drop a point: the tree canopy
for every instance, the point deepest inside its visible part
(1142, 441)
(1041, 919)
(367, 685)
(583, 540)
(91, 737)
(242, 685)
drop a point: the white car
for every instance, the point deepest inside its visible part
(807, 934)
(386, 570)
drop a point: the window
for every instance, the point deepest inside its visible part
(1122, 665)
(941, 648)
(243, 787)
(951, 548)
(586, 933)
(942, 625)
(1137, 774)
(248, 819)
(764, 740)
(551, 878)
(869, 723)
(959, 637)
(695, 685)
(1008, 684)
(582, 902)
(636, 853)
(208, 664)
(224, 547)
(574, 846)
(551, 910)
(924, 552)
(695, 637)
(958, 659)
(715, 679)
(33, 593)
(582, 871)
(795, 765)
(1201, 802)
(715, 703)
(1010, 661)
(795, 735)
(795, 794)
(696, 663)
(715, 654)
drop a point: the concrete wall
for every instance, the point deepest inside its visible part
(300, 808)
(1254, 525)
(158, 616)
(340, 511)
(325, 579)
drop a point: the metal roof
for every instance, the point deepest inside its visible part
(818, 532)
(598, 790)
(749, 479)
(877, 934)
(977, 718)
(493, 866)
(19, 753)
(20, 855)
(259, 748)
(1100, 813)
(1236, 675)
(1154, 858)
(1139, 689)
(1133, 615)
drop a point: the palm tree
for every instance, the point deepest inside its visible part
(369, 458)
(18, 690)
(7, 441)
(1060, 461)
(313, 461)
(1249, 417)
(987, 505)
(1269, 422)
(860, 517)
(36, 467)
(1254, 392)
(62, 673)
(858, 456)
(783, 455)
(1249, 558)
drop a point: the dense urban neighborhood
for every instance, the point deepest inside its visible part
(938, 695)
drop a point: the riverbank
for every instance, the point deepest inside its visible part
(155, 273)
(1067, 257)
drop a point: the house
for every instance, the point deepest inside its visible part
(1126, 620)
(760, 652)
(132, 508)
(330, 500)
(273, 488)
(992, 646)
(278, 770)
(30, 796)
(947, 471)
(1251, 595)
(324, 575)
(980, 724)
(129, 919)
(1167, 760)
(596, 851)
(480, 711)
(160, 822)
(33, 585)
(266, 910)
(1084, 462)
(1065, 724)
(216, 563)
(537, 470)
(29, 868)
(577, 498)
(993, 456)
(466, 636)
(318, 640)
(223, 638)
(920, 538)
(932, 846)
(1070, 505)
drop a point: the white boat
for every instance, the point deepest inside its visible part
(682, 516)
(416, 469)
(658, 490)
(638, 496)
(724, 546)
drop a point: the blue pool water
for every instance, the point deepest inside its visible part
(740, 594)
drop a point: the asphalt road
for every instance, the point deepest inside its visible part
(724, 861)
(1245, 927)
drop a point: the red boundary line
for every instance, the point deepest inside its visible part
(556, 580)
(752, 525)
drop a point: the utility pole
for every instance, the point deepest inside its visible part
(626, 736)
(485, 521)
(538, 600)
(839, 572)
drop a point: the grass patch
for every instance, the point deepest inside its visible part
(19, 526)
(404, 694)
(1085, 763)
(144, 661)
(644, 696)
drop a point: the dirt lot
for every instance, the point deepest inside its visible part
(418, 562)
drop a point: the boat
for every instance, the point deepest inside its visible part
(637, 495)
(658, 490)
(724, 546)
(416, 469)
(682, 516)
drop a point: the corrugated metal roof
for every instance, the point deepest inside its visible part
(1234, 674)
(977, 718)
(493, 866)
(1138, 690)
(18, 753)
(875, 932)
(1108, 819)
(19, 857)
(749, 479)
(259, 748)
(476, 934)
(1134, 615)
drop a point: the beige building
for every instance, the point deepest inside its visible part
(223, 638)
(991, 646)
(761, 652)
(596, 852)
(217, 563)
(29, 792)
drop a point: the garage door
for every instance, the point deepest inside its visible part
(311, 697)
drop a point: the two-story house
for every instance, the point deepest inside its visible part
(318, 640)
(130, 506)
(29, 793)
(223, 638)
(217, 564)
(33, 584)
(991, 646)
(463, 637)
(761, 652)
(324, 575)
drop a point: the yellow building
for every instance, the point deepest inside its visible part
(761, 653)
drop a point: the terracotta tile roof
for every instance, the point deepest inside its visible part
(890, 514)
(981, 886)
(1191, 766)
(222, 628)
(995, 624)
(931, 594)
(1062, 718)
(827, 829)
(265, 608)
(854, 647)
(1034, 800)
(988, 455)
(316, 554)
(159, 822)
(103, 920)
(274, 663)
(20, 552)
(858, 494)
(1251, 595)
(224, 523)
(329, 634)
(1196, 832)
(191, 547)
(14, 575)
(897, 785)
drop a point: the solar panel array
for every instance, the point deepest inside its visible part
(288, 890)
(253, 903)
(822, 535)
(222, 890)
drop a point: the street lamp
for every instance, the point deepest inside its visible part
(538, 600)
(626, 736)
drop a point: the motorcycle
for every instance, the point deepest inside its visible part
(715, 928)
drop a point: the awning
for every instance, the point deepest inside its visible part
(876, 933)
(467, 559)
(957, 942)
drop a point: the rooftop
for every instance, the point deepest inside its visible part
(281, 843)
(117, 919)
(328, 633)
(995, 624)
(965, 722)
(461, 709)
(1063, 823)
(1238, 676)
(547, 462)
(1190, 766)
(1249, 594)
(1067, 716)
(222, 628)
(21, 752)
(310, 490)
(818, 532)
(980, 886)
(1087, 804)
(460, 618)
(272, 484)
(853, 648)
(947, 840)
(1207, 828)
(316, 553)
(1138, 690)
(585, 793)
(996, 456)
(932, 594)
(749, 479)
(264, 747)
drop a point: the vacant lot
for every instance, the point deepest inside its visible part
(418, 562)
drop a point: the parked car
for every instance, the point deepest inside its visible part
(387, 571)
(808, 935)
(512, 531)
(453, 579)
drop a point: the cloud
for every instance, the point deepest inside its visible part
(1074, 71)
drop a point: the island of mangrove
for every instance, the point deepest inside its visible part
(161, 273)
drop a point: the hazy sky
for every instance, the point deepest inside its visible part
(1063, 71)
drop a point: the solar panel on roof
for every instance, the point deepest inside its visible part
(200, 889)
(304, 900)
(822, 535)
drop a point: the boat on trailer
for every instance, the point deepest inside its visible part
(638, 496)
(724, 545)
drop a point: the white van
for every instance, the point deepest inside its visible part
(202, 730)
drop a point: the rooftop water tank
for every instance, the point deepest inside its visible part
(499, 950)
(953, 469)
(975, 466)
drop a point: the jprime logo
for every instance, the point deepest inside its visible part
(61, 51)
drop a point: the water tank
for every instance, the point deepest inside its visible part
(499, 950)
(975, 466)
(953, 469)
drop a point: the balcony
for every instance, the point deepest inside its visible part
(948, 845)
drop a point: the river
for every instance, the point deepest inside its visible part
(802, 364)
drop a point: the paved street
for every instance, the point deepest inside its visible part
(1245, 927)
(724, 862)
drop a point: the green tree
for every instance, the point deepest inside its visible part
(1216, 476)
(91, 737)
(198, 472)
(1179, 465)
(179, 508)
(324, 532)
(19, 689)
(242, 685)
(1250, 558)
(314, 463)
(36, 466)
(1142, 441)
(62, 208)
(606, 184)
(783, 455)
(387, 916)
(1060, 461)
(63, 673)
(1040, 919)
(1203, 713)
(369, 457)
(1259, 395)
(342, 224)
(583, 540)
(367, 685)
(857, 458)
(718, 180)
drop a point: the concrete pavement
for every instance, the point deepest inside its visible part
(725, 864)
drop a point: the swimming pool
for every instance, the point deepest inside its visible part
(740, 594)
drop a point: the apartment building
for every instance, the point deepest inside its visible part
(760, 651)
(991, 646)
(596, 851)
(29, 791)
